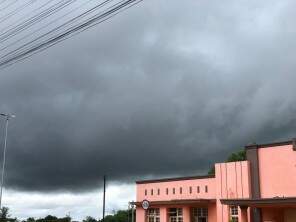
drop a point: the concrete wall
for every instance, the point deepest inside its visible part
(277, 171)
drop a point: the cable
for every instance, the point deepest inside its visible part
(68, 34)
(33, 20)
(17, 10)
(57, 28)
(25, 16)
(7, 6)
(46, 25)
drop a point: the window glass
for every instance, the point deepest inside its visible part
(234, 213)
(175, 215)
(153, 215)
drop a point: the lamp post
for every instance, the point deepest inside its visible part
(7, 118)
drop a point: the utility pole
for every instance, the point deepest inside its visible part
(132, 213)
(104, 198)
(7, 117)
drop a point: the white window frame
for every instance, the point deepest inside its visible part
(153, 215)
(178, 215)
(200, 213)
(233, 212)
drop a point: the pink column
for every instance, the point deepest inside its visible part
(140, 214)
(244, 214)
(186, 214)
(163, 214)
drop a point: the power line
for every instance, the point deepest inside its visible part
(46, 40)
(7, 6)
(17, 10)
(44, 26)
(34, 20)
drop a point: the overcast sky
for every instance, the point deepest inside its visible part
(164, 89)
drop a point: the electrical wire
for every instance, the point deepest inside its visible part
(59, 33)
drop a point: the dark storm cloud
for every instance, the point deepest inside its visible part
(166, 88)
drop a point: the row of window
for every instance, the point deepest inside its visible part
(174, 190)
(176, 214)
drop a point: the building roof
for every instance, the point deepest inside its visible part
(261, 201)
(266, 145)
(175, 179)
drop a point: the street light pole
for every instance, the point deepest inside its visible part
(7, 117)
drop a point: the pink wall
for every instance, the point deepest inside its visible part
(140, 214)
(277, 170)
(232, 181)
(212, 211)
(184, 184)
(273, 214)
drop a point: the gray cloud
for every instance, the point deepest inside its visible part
(166, 88)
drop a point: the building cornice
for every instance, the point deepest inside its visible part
(175, 179)
(267, 145)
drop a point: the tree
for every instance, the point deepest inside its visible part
(241, 155)
(50, 217)
(119, 216)
(89, 219)
(30, 219)
(4, 213)
(238, 156)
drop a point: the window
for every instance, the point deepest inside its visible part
(174, 190)
(158, 191)
(167, 191)
(151, 192)
(206, 189)
(198, 191)
(181, 190)
(233, 213)
(153, 215)
(200, 214)
(190, 189)
(175, 215)
(145, 192)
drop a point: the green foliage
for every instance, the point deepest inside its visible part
(4, 213)
(211, 171)
(51, 218)
(89, 219)
(119, 216)
(30, 219)
(237, 156)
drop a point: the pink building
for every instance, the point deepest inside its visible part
(260, 189)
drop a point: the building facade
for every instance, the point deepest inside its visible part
(260, 189)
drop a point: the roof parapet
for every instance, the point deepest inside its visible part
(266, 145)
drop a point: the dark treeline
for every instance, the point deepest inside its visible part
(117, 216)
